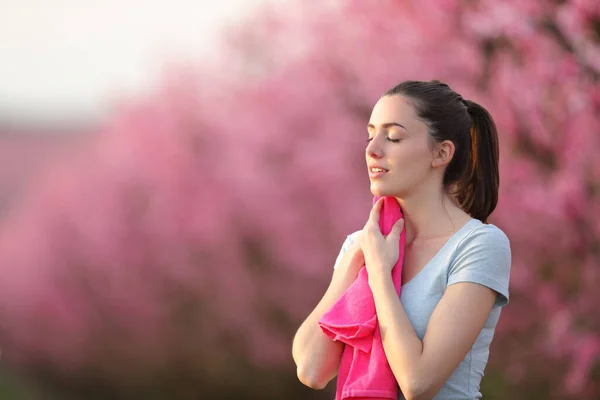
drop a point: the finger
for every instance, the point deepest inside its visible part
(374, 214)
(372, 226)
(397, 229)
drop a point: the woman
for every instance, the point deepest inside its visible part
(437, 154)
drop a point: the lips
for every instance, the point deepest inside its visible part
(377, 168)
(376, 172)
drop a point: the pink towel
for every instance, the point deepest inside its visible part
(364, 371)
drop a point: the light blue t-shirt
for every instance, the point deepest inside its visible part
(478, 253)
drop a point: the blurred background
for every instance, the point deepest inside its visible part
(177, 178)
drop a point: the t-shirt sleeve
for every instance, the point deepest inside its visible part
(484, 257)
(350, 239)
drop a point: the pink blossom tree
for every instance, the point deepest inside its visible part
(180, 250)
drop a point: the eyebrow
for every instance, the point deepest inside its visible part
(387, 125)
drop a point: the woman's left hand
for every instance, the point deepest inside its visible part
(381, 252)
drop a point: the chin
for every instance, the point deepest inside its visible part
(377, 190)
(383, 190)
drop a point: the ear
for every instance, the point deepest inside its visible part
(443, 153)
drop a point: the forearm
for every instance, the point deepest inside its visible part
(402, 346)
(316, 356)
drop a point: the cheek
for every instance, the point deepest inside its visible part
(412, 165)
(410, 157)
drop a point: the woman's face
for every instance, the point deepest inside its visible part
(399, 143)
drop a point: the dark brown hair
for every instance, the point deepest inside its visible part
(473, 170)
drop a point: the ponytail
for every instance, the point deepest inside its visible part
(477, 188)
(472, 176)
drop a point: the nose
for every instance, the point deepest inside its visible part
(374, 148)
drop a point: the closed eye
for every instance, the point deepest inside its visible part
(390, 140)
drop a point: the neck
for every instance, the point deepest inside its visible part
(430, 214)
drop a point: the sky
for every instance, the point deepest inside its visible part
(64, 59)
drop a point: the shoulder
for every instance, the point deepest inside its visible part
(483, 256)
(353, 237)
(350, 240)
(485, 236)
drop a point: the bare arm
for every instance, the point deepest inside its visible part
(422, 368)
(317, 357)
